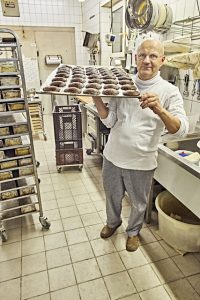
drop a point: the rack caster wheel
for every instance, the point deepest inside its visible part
(59, 170)
(37, 164)
(88, 151)
(80, 168)
(3, 235)
(45, 137)
(44, 222)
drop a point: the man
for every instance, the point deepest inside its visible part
(130, 155)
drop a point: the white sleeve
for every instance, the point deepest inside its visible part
(174, 105)
(112, 114)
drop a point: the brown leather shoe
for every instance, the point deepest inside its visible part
(107, 231)
(132, 243)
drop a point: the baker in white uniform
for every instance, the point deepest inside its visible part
(130, 155)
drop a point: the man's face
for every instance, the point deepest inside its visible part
(149, 59)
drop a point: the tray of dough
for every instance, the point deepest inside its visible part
(90, 81)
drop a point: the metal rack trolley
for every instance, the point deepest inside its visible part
(68, 136)
(19, 185)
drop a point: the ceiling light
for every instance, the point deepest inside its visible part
(81, 0)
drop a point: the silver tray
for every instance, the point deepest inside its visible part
(105, 75)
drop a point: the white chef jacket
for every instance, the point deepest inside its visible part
(135, 132)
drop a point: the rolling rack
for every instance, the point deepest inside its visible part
(19, 184)
(68, 136)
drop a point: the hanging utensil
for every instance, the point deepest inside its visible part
(194, 87)
(198, 89)
(186, 84)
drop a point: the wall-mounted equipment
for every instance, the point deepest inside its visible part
(110, 38)
(90, 40)
(10, 8)
(53, 59)
(148, 15)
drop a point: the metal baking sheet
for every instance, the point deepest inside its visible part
(102, 76)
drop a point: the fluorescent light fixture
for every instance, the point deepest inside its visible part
(81, 0)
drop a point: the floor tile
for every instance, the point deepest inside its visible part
(144, 278)
(32, 231)
(166, 270)
(56, 226)
(81, 251)
(76, 236)
(92, 268)
(58, 257)
(63, 193)
(195, 282)
(181, 289)
(32, 246)
(119, 241)
(48, 205)
(94, 289)
(61, 277)
(115, 284)
(168, 249)
(93, 232)
(110, 264)
(65, 294)
(33, 263)
(78, 190)
(14, 235)
(133, 259)
(188, 264)
(70, 211)
(72, 223)
(34, 285)
(56, 240)
(10, 290)
(91, 219)
(156, 293)
(86, 208)
(84, 198)
(52, 215)
(64, 202)
(102, 246)
(153, 252)
(132, 297)
(10, 251)
(146, 236)
(42, 297)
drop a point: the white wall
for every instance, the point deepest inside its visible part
(58, 13)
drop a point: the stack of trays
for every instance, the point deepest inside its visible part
(91, 81)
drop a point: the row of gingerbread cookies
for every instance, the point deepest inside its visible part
(92, 81)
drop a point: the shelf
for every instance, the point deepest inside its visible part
(2, 74)
(8, 112)
(19, 207)
(10, 87)
(15, 157)
(16, 168)
(12, 100)
(12, 136)
(16, 188)
(19, 216)
(18, 178)
(8, 45)
(12, 124)
(18, 198)
(8, 59)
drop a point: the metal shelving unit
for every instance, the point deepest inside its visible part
(19, 183)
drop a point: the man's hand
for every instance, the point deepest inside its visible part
(152, 101)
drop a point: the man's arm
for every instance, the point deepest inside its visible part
(152, 101)
(101, 107)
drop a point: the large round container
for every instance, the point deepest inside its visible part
(182, 234)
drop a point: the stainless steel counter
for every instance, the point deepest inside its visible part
(179, 176)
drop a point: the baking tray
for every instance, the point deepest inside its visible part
(90, 81)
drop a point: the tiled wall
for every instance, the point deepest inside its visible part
(58, 13)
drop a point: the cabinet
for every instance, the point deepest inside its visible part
(19, 185)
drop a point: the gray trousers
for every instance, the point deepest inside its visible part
(137, 184)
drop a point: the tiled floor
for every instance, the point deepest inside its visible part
(71, 261)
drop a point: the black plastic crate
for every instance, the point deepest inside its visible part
(67, 145)
(67, 123)
(69, 157)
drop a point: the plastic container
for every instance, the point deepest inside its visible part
(178, 226)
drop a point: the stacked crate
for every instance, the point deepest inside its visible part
(68, 135)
